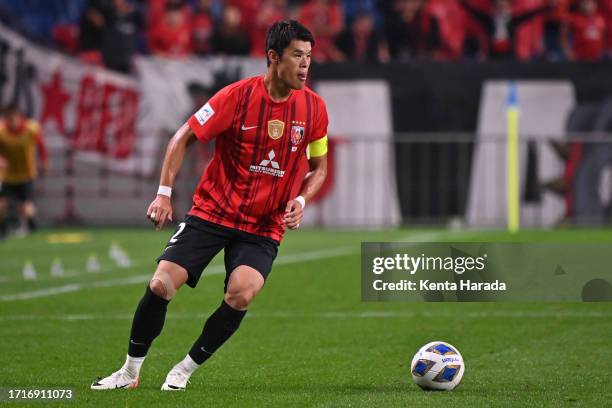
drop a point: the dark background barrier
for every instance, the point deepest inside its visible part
(434, 97)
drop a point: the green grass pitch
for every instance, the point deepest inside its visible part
(307, 340)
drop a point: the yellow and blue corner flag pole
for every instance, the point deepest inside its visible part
(512, 158)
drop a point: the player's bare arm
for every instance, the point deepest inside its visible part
(160, 210)
(312, 184)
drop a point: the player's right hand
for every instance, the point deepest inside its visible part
(160, 211)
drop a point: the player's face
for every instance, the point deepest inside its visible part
(294, 64)
(12, 117)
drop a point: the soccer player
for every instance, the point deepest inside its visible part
(20, 139)
(270, 159)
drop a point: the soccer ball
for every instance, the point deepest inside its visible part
(437, 366)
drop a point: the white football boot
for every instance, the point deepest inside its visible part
(176, 380)
(118, 380)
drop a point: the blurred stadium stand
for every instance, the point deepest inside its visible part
(371, 30)
(409, 129)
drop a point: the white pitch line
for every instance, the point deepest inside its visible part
(331, 315)
(43, 292)
(282, 260)
(411, 239)
(214, 270)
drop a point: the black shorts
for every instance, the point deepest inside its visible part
(196, 242)
(19, 191)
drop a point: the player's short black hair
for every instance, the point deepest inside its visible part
(281, 33)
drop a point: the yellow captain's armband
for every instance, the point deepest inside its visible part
(318, 148)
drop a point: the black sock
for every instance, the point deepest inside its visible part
(147, 324)
(218, 328)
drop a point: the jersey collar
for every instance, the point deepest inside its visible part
(267, 96)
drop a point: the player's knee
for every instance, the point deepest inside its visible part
(29, 209)
(168, 278)
(241, 298)
(158, 287)
(162, 286)
(244, 284)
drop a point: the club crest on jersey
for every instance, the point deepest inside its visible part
(275, 128)
(297, 134)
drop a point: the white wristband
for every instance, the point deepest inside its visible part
(301, 200)
(164, 190)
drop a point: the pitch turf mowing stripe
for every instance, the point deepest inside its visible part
(215, 270)
(282, 260)
(416, 237)
(331, 315)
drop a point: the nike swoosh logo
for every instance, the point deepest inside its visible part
(138, 344)
(247, 128)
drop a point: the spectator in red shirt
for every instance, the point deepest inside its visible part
(325, 19)
(156, 10)
(605, 7)
(552, 28)
(248, 10)
(202, 27)
(230, 38)
(451, 20)
(588, 34)
(529, 42)
(501, 24)
(269, 12)
(171, 37)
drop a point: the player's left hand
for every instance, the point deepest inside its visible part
(160, 211)
(293, 214)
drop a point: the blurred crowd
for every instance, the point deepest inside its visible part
(110, 32)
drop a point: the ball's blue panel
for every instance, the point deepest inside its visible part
(422, 367)
(447, 374)
(442, 349)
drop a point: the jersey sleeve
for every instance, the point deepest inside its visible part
(214, 117)
(317, 145)
(320, 127)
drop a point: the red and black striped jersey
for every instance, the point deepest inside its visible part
(260, 154)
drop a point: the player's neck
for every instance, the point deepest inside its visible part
(15, 126)
(278, 91)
